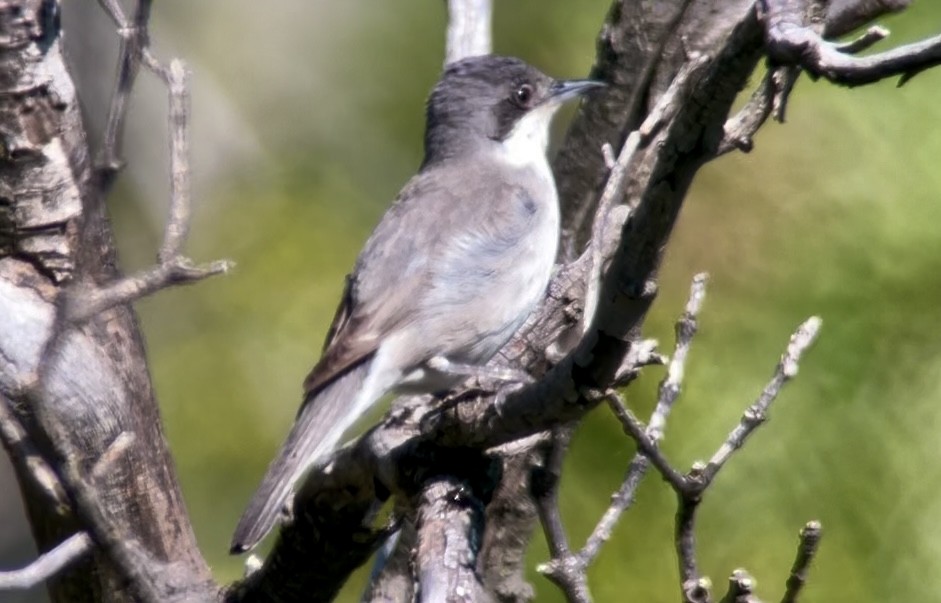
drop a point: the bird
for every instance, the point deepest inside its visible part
(453, 269)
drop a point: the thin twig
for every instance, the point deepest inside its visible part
(686, 327)
(566, 570)
(806, 550)
(48, 564)
(646, 443)
(870, 37)
(685, 541)
(134, 38)
(695, 483)
(741, 588)
(180, 204)
(86, 303)
(172, 267)
(757, 413)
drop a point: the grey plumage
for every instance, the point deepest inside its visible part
(450, 273)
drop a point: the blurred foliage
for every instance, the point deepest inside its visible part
(834, 213)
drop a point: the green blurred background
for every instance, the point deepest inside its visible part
(308, 118)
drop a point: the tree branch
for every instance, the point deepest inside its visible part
(810, 536)
(791, 42)
(757, 413)
(450, 528)
(469, 28)
(48, 564)
(134, 39)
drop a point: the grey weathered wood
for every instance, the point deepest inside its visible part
(95, 385)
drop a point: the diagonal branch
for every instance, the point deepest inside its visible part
(757, 413)
(134, 39)
(48, 564)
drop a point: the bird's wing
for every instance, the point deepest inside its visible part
(414, 244)
(389, 276)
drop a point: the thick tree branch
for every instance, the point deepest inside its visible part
(450, 529)
(679, 79)
(790, 41)
(80, 383)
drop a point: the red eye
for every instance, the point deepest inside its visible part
(524, 95)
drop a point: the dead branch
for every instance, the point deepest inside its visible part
(48, 564)
(790, 41)
(810, 536)
(584, 342)
(468, 31)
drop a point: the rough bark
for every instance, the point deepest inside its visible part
(461, 471)
(55, 236)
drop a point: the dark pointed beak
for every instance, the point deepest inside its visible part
(563, 90)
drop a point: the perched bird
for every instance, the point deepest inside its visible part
(454, 268)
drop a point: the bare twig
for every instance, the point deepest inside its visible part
(669, 390)
(48, 564)
(692, 487)
(806, 550)
(86, 303)
(468, 29)
(646, 443)
(791, 43)
(741, 588)
(134, 38)
(870, 37)
(685, 330)
(691, 583)
(770, 98)
(172, 267)
(566, 570)
(757, 413)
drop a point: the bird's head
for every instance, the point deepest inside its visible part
(495, 99)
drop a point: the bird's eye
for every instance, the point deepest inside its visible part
(524, 95)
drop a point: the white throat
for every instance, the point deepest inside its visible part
(527, 144)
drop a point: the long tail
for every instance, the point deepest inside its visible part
(316, 431)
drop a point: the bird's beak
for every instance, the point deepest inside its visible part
(564, 90)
